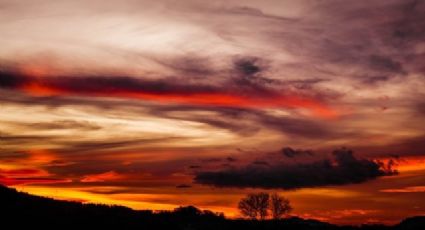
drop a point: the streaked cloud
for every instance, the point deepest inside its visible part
(406, 190)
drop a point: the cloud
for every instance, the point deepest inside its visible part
(412, 189)
(12, 156)
(247, 66)
(29, 180)
(260, 163)
(21, 138)
(231, 159)
(20, 176)
(342, 168)
(239, 92)
(246, 122)
(183, 186)
(63, 124)
(410, 146)
(336, 40)
(76, 145)
(291, 153)
(83, 146)
(101, 177)
(22, 172)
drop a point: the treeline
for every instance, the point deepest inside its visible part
(23, 211)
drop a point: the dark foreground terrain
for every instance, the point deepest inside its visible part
(18, 210)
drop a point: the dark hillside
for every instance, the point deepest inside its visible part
(20, 210)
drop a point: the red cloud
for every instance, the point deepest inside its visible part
(16, 181)
(27, 176)
(21, 172)
(164, 91)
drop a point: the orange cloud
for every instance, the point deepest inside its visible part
(106, 176)
(407, 164)
(405, 190)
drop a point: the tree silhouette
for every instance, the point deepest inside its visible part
(45, 213)
(279, 206)
(247, 207)
(255, 205)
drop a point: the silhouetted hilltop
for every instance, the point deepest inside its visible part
(20, 209)
(411, 223)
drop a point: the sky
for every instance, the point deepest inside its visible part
(157, 104)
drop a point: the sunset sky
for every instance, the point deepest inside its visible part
(157, 104)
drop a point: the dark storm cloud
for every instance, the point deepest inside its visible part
(342, 168)
(231, 159)
(11, 79)
(194, 166)
(247, 66)
(183, 186)
(249, 72)
(291, 153)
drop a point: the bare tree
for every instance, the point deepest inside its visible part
(262, 204)
(247, 207)
(255, 205)
(279, 206)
